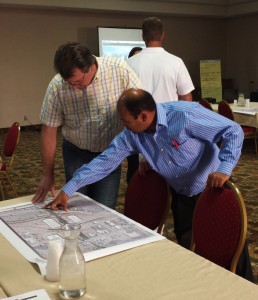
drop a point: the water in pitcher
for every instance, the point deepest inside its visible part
(72, 279)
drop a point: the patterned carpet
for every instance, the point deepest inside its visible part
(27, 169)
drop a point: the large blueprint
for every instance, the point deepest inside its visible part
(103, 231)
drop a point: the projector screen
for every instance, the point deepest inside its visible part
(118, 42)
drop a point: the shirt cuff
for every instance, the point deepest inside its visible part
(69, 188)
(225, 168)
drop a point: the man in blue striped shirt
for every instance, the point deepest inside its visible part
(179, 141)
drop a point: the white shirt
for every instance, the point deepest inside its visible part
(163, 74)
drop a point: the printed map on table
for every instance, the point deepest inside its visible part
(103, 231)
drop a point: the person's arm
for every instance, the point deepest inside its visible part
(211, 126)
(184, 84)
(187, 97)
(98, 168)
(48, 148)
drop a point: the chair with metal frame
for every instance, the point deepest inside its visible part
(7, 159)
(206, 104)
(254, 96)
(148, 200)
(249, 132)
(220, 226)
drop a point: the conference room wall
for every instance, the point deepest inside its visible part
(242, 52)
(29, 39)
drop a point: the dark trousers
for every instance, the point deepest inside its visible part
(104, 191)
(132, 166)
(182, 210)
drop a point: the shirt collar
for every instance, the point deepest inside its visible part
(98, 73)
(152, 49)
(161, 116)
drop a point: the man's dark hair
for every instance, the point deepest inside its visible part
(133, 50)
(152, 29)
(73, 55)
(136, 103)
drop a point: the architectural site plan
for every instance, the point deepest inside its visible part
(103, 231)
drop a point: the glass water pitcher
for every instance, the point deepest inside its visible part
(72, 276)
(241, 99)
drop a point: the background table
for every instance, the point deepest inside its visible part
(161, 270)
(243, 118)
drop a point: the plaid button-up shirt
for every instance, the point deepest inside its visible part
(88, 117)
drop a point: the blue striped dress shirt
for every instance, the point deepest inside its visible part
(183, 149)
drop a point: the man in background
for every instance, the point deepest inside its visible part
(164, 75)
(82, 98)
(134, 51)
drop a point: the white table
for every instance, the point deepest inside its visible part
(161, 270)
(246, 116)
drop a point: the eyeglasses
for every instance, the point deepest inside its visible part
(79, 84)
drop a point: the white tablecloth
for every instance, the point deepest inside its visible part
(246, 116)
(161, 270)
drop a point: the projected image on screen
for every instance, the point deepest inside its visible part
(118, 42)
(120, 49)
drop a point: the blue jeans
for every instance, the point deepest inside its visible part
(104, 191)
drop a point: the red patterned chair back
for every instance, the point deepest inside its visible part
(219, 226)
(11, 140)
(147, 200)
(225, 110)
(250, 132)
(206, 104)
(7, 158)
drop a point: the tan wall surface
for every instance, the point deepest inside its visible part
(242, 52)
(30, 37)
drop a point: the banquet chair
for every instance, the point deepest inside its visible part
(147, 200)
(7, 159)
(206, 104)
(249, 132)
(220, 226)
(254, 97)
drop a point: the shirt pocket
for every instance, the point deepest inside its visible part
(185, 152)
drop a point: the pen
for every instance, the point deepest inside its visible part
(175, 144)
(30, 297)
